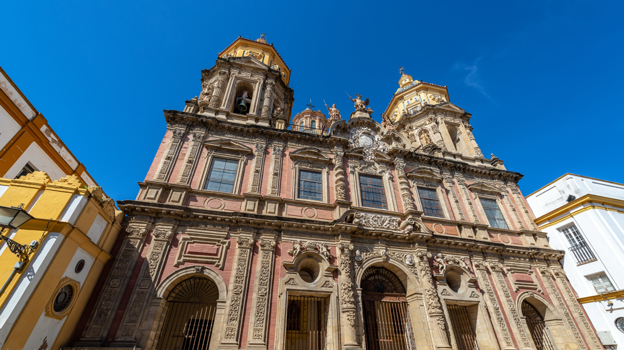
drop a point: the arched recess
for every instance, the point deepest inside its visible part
(541, 320)
(191, 284)
(389, 294)
(240, 97)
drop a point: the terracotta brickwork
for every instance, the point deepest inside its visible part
(274, 217)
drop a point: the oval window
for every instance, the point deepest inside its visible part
(63, 298)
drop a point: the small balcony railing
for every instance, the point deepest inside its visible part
(582, 253)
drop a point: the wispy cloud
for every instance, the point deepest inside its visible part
(472, 77)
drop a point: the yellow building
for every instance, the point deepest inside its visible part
(46, 287)
(28, 143)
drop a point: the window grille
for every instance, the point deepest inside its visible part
(493, 213)
(578, 245)
(310, 185)
(372, 191)
(602, 283)
(430, 203)
(222, 175)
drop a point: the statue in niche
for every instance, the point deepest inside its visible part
(334, 113)
(242, 103)
(424, 138)
(277, 110)
(386, 123)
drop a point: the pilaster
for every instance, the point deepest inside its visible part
(348, 314)
(190, 163)
(171, 155)
(255, 183)
(406, 196)
(102, 316)
(237, 295)
(273, 199)
(259, 324)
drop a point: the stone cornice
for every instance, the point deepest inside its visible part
(335, 227)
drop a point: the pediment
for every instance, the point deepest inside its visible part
(425, 174)
(310, 155)
(227, 145)
(379, 156)
(484, 187)
(250, 61)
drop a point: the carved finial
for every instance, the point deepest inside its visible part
(401, 70)
(262, 36)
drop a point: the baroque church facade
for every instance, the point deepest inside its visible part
(329, 233)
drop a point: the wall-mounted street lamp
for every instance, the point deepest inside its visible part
(12, 218)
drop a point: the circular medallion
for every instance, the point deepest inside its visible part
(619, 323)
(504, 238)
(63, 298)
(215, 203)
(79, 266)
(439, 228)
(365, 141)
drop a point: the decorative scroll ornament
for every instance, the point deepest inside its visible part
(365, 138)
(376, 221)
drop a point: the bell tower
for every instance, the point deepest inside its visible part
(247, 85)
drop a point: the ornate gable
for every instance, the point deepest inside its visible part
(228, 145)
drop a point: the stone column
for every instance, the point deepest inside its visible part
(276, 169)
(339, 180)
(437, 321)
(102, 316)
(258, 162)
(473, 142)
(510, 306)
(587, 329)
(406, 195)
(438, 139)
(518, 198)
(237, 292)
(462, 185)
(348, 309)
(513, 210)
(192, 156)
(266, 104)
(258, 326)
(450, 189)
(148, 278)
(500, 325)
(558, 302)
(171, 155)
(215, 100)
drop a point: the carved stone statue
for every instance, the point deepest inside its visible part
(277, 111)
(386, 122)
(359, 104)
(205, 94)
(424, 138)
(323, 249)
(439, 259)
(334, 113)
(298, 246)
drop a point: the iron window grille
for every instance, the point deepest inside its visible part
(578, 245)
(372, 192)
(493, 213)
(222, 175)
(602, 283)
(310, 185)
(430, 202)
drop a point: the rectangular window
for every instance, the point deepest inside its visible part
(222, 175)
(372, 191)
(578, 245)
(430, 203)
(602, 283)
(27, 169)
(310, 185)
(493, 213)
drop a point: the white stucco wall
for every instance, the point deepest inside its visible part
(47, 328)
(37, 157)
(604, 233)
(9, 127)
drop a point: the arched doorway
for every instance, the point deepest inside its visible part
(191, 308)
(537, 327)
(386, 316)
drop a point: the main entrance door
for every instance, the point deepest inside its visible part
(190, 315)
(386, 316)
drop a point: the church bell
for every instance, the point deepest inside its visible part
(242, 106)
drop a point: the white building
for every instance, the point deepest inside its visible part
(585, 217)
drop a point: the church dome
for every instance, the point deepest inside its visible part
(310, 121)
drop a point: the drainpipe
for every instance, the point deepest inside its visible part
(16, 268)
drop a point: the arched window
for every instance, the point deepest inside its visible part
(313, 125)
(301, 126)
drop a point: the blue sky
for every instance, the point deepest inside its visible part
(542, 79)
